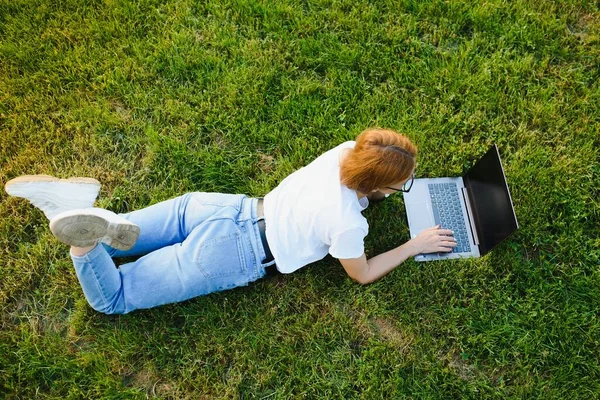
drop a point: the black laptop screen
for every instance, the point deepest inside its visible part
(490, 201)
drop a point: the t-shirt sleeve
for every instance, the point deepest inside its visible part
(348, 244)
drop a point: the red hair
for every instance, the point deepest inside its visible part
(380, 158)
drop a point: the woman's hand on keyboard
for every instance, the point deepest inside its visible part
(433, 240)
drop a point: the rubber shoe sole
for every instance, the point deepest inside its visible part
(48, 178)
(84, 228)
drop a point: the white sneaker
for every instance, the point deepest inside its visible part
(52, 195)
(87, 227)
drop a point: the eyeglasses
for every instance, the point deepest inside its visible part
(406, 187)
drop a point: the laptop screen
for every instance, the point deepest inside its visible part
(492, 207)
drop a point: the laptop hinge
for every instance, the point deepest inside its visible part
(470, 215)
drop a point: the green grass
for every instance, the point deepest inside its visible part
(158, 98)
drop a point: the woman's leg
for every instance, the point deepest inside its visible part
(218, 254)
(99, 278)
(162, 224)
(171, 221)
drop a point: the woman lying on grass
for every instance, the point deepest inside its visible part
(200, 243)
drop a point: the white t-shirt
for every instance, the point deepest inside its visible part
(311, 213)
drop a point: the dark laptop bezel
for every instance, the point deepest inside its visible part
(489, 239)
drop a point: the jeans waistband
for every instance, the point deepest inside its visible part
(249, 210)
(262, 229)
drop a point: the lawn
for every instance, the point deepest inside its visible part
(158, 98)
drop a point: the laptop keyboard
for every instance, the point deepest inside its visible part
(445, 202)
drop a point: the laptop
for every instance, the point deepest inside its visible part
(476, 206)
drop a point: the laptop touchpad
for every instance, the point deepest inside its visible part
(419, 217)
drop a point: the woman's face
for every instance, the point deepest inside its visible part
(395, 188)
(403, 186)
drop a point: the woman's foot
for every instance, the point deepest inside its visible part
(87, 227)
(81, 251)
(68, 205)
(53, 195)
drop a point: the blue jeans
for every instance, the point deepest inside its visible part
(195, 244)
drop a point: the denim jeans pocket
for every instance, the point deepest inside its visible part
(222, 257)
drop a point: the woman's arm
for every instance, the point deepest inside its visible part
(429, 241)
